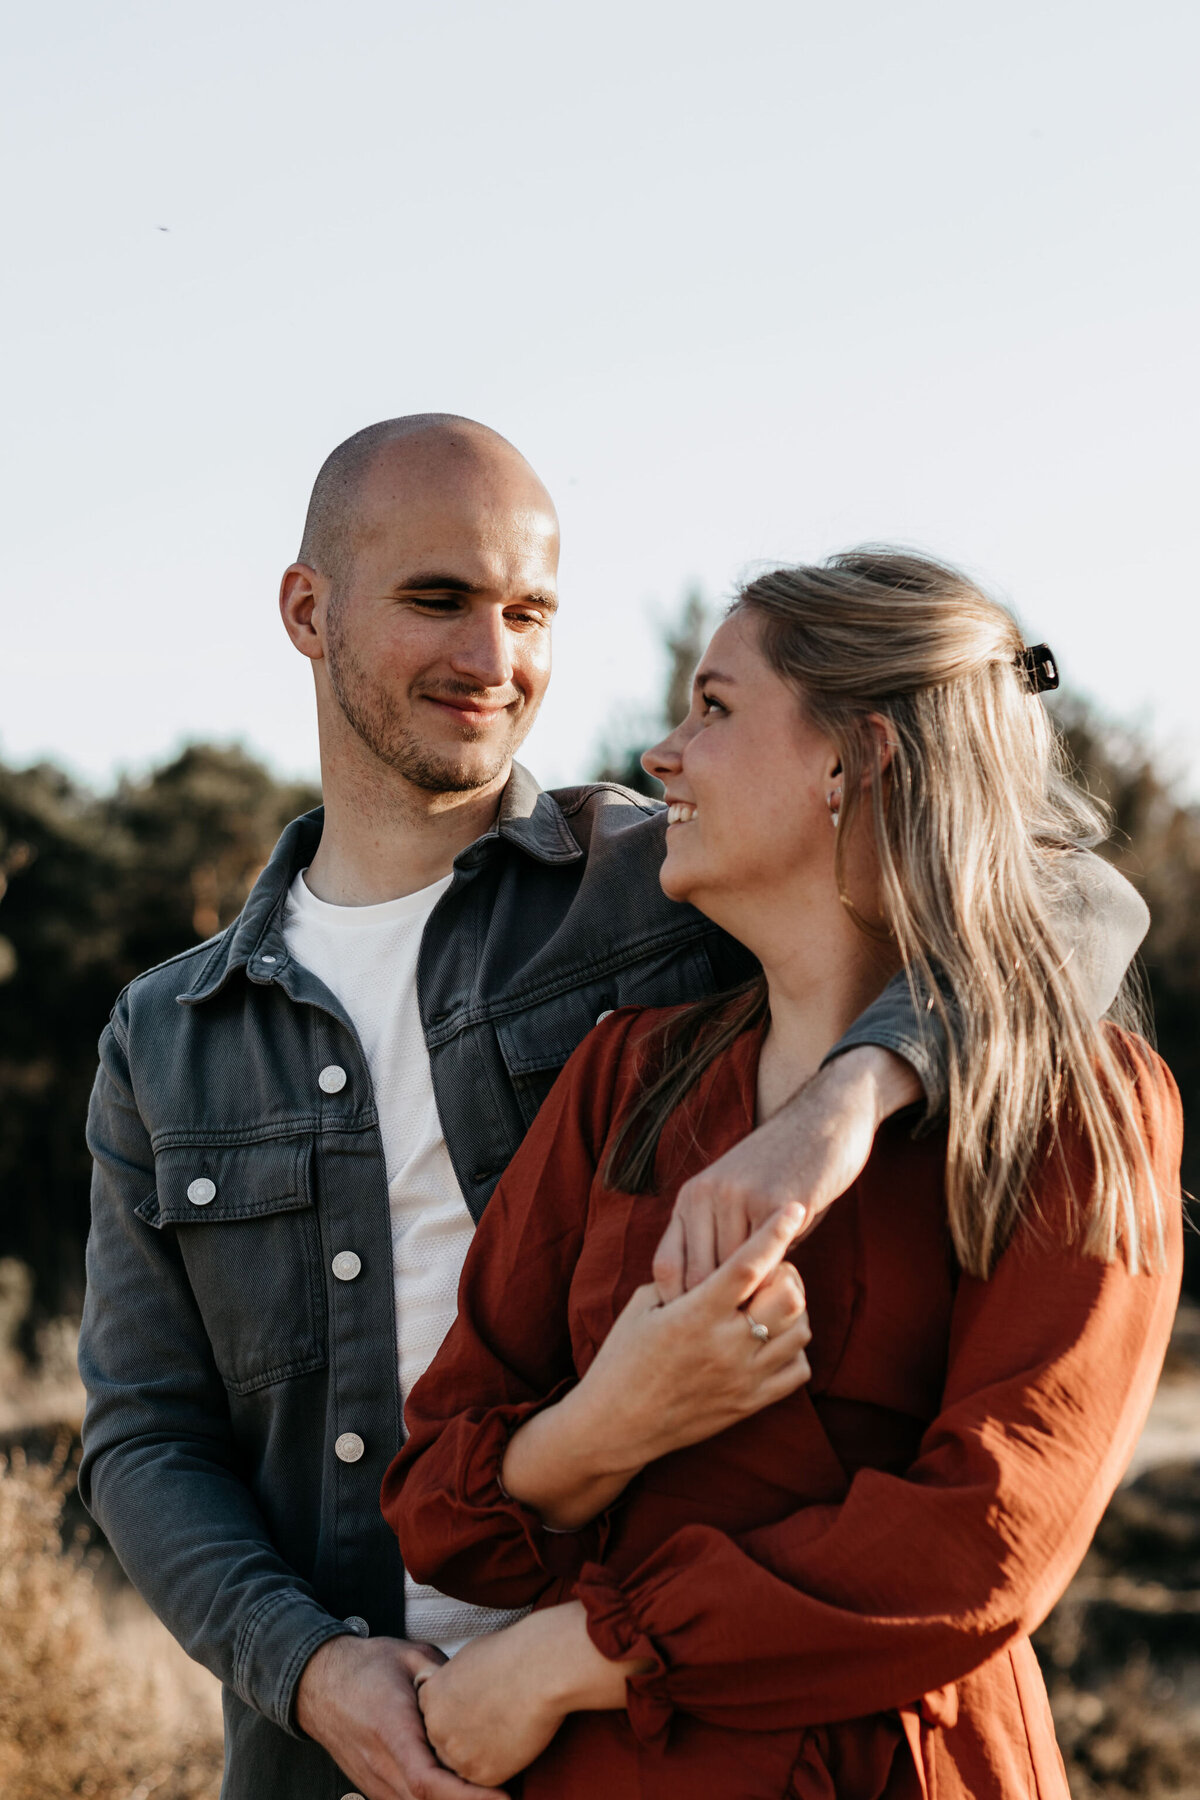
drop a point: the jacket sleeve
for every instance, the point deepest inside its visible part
(160, 1471)
(510, 1350)
(1102, 918)
(912, 1581)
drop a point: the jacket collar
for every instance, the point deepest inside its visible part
(528, 818)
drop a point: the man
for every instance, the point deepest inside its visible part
(295, 1124)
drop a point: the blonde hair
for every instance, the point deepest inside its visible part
(974, 818)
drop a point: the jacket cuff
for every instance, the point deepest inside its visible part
(273, 1647)
(893, 1023)
(617, 1633)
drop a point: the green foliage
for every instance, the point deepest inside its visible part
(94, 889)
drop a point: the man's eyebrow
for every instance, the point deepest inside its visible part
(432, 581)
(703, 675)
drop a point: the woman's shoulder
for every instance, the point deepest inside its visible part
(1154, 1090)
(625, 1030)
(603, 1070)
(1148, 1113)
(619, 1044)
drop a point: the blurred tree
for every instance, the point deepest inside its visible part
(92, 891)
(195, 833)
(683, 643)
(1155, 842)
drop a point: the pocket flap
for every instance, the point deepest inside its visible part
(200, 1184)
(543, 1037)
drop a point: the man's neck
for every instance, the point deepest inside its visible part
(384, 838)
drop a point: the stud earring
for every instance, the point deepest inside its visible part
(835, 806)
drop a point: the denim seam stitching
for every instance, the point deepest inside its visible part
(651, 808)
(248, 1138)
(302, 1366)
(579, 975)
(241, 1652)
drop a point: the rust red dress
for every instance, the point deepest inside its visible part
(836, 1593)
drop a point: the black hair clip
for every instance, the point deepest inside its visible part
(1039, 668)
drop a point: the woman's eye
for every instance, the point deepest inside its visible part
(709, 704)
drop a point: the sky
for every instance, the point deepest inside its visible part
(746, 283)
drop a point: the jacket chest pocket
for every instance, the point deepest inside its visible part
(536, 1040)
(247, 1230)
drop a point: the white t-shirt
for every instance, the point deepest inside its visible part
(367, 957)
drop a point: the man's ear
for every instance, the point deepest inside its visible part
(300, 593)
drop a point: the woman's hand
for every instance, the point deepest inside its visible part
(495, 1706)
(668, 1376)
(665, 1377)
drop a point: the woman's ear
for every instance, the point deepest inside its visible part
(885, 742)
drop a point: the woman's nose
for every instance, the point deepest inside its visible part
(662, 760)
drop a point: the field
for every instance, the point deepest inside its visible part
(96, 1699)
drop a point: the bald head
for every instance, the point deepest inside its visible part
(413, 458)
(423, 596)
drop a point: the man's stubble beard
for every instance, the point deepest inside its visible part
(375, 718)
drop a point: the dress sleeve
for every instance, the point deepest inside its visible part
(912, 1581)
(510, 1350)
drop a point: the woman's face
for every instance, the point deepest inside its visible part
(748, 783)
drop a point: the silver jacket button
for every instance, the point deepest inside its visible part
(352, 1797)
(346, 1265)
(349, 1447)
(202, 1191)
(606, 1014)
(332, 1080)
(358, 1625)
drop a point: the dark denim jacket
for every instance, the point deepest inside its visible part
(242, 1401)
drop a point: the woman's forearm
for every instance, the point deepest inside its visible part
(495, 1706)
(559, 1464)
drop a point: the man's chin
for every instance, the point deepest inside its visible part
(453, 774)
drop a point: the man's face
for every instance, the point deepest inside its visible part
(437, 635)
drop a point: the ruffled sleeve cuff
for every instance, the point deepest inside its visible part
(618, 1634)
(482, 1492)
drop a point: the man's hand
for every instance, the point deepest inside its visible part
(356, 1699)
(807, 1154)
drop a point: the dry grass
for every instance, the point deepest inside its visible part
(89, 1704)
(1128, 1736)
(96, 1698)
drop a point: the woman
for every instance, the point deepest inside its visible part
(764, 1562)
